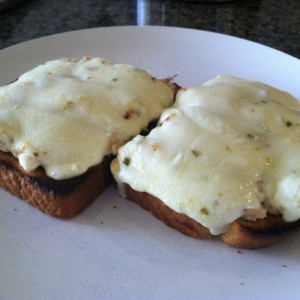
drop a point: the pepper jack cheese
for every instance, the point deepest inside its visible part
(66, 115)
(225, 150)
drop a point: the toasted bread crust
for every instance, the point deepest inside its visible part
(171, 218)
(58, 198)
(241, 233)
(259, 233)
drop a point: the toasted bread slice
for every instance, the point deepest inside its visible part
(241, 233)
(60, 123)
(58, 198)
(224, 153)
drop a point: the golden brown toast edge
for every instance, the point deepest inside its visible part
(58, 198)
(259, 233)
(241, 233)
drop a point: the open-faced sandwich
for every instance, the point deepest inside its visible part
(223, 161)
(61, 122)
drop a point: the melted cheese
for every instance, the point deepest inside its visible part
(66, 115)
(224, 150)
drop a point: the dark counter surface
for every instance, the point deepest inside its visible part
(275, 23)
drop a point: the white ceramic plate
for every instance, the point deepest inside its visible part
(114, 249)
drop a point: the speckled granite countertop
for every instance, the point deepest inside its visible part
(275, 23)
